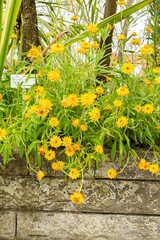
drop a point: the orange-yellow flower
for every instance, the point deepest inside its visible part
(41, 150)
(55, 141)
(14, 36)
(156, 70)
(72, 100)
(45, 103)
(146, 81)
(76, 146)
(47, 34)
(75, 122)
(69, 151)
(135, 41)
(2, 133)
(134, 34)
(83, 127)
(112, 173)
(148, 108)
(67, 141)
(57, 48)
(40, 175)
(0, 96)
(148, 29)
(53, 122)
(117, 103)
(127, 68)
(27, 115)
(137, 108)
(27, 97)
(87, 99)
(95, 45)
(55, 166)
(146, 49)
(77, 198)
(120, 2)
(39, 90)
(74, 173)
(122, 91)
(53, 75)
(109, 27)
(50, 155)
(92, 28)
(94, 114)
(33, 109)
(108, 78)
(99, 90)
(74, 18)
(154, 168)
(64, 102)
(42, 112)
(121, 37)
(122, 122)
(85, 45)
(99, 149)
(157, 80)
(158, 126)
(34, 52)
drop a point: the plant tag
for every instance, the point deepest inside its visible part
(22, 80)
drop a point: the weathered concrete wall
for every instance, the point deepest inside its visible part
(126, 208)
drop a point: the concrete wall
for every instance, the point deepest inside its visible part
(126, 208)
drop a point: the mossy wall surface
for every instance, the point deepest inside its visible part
(126, 208)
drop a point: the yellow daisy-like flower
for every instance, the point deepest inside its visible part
(117, 103)
(47, 34)
(92, 28)
(40, 175)
(55, 141)
(41, 150)
(127, 68)
(99, 149)
(156, 70)
(99, 90)
(148, 108)
(27, 97)
(134, 34)
(146, 49)
(40, 74)
(146, 81)
(94, 114)
(34, 52)
(64, 103)
(114, 63)
(148, 29)
(122, 91)
(121, 37)
(69, 151)
(74, 173)
(76, 146)
(108, 78)
(75, 122)
(85, 45)
(87, 99)
(83, 127)
(109, 27)
(14, 36)
(33, 109)
(9, 70)
(67, 141)
(138, 108)
(50, 155)
(122, 122)
(45, 103)
(95, 45)
(72, 100)
(53, 122)
(2, 133)
(158, 126)
(55, 166)
(135, 41)
(143, 164)
(42, 112)
(27, 115)
(81, 50)
(57, 48)
(154, 168)
(112, 173)
(77, 198)
(39, 90)
(120, 2)
(0, 96)
(74, 18)
(157, 80)
(53, 75)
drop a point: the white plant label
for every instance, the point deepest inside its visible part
(22, 80)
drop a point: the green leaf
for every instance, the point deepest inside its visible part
(120, 152)
(113, 151)
(1, 15)
(93, 11)
(30, 148)
(6, 153)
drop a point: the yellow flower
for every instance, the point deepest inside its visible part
(143, 164)
(55, 166)
(92, 28)
(95, 45)
(47, 34)
(41, 150)
(53, 75)
(39, 90)
(135, 41)
(157, 81)
(108, 78)
(76, 146)
(55, 141)
(154, 168)
(50, 155)
(146, 49)
(158, 126)
(83, 128)
(9, 70)
(117, 103)
(69, 151)
(42, 112)
(87, 99)
(57, 48)
(72, 100)
(2, 133)
(107, 108)
(122, 122)
(134, 34)
(64, 102)
(14, 36)
(45, 103)
(148, 29)
(122, 91)
(114, 63)
(94, 114)
(27, 115)
(67, 141)
(53, 122)
(109, 27)
(156, 70)
(112, 173)
(146, 81)
(13, 46)
(120, 2)
(121, 37)
(81, 50)
(26, 97)
(34, 52)
(99, 90)
(40, 175)
(74, 173)
(33, 109)
(85, 45)
(99, 149)
(77, 198)
(137, 108)
(74, 18)
(75, 122)
(148, 108)
(127, 68)
(40, 74)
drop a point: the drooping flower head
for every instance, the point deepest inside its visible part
(77, 198)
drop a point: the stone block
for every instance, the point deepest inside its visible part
(7, 225)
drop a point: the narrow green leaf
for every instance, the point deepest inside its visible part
(120, 152)
(90, 3)
(93, 11)
(1, 16)
(113, 151)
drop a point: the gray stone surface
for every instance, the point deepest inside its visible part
(131, 171)
(69, 226)
(106, 196)
(7, 225)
